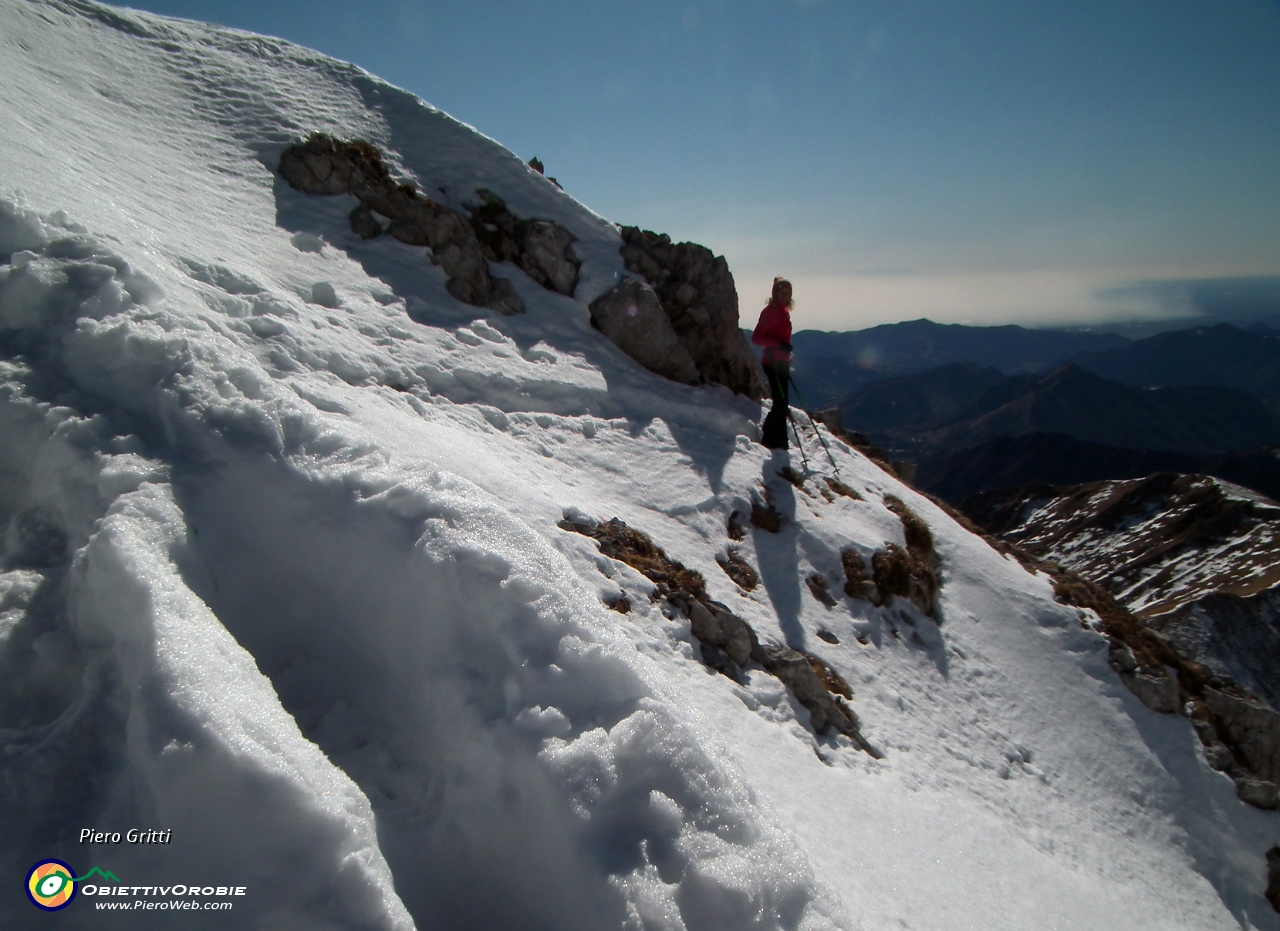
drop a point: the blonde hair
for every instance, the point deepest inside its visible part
(778, 283)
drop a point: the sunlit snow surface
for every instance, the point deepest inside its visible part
(285, 578)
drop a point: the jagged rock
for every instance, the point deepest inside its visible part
(856, 584)
(1257, 792)
(503, 297)
(632, 318)
(818, 588)
(548, 258)
(715, 658)
(797, 672)
(738, 569)
(912, 573)
(696, 292)
(364, 224)
(618, 541)
(1250, 729)
(831, 680)
(727, 642)
(541, 248)
(1273, 877)
(324, 165)
(1232, 636)
(1154, 688)
(715, 624)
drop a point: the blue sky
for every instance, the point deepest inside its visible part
(984, 162)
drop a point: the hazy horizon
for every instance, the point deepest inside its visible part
(988, 164)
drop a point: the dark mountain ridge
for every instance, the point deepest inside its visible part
(829, 365)
(1221, 356)
(915, 345)
(1192, 420)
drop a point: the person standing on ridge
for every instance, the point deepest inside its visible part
(773, 332)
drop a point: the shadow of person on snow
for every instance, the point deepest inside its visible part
(777, 553)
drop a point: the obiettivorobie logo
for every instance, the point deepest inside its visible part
(51, 884)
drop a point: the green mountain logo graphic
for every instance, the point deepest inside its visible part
(104, 874)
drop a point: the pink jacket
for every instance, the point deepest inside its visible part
(774, 328)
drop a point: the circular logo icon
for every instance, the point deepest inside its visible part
(50, 885)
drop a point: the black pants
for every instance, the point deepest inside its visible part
(774, 430)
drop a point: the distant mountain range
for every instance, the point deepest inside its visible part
(828, 366)
(1223, 356)
(978, 408)
(957, 407)
(1059, 459)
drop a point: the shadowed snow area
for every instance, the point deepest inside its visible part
(281, 573)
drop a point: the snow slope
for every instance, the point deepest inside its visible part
(282, 574)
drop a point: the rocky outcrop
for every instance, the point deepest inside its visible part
(543, 249)
(682, 324)
(856, 584)
(809, 680)
(911, 574)
(327, 166)
(1251, 729)
(1139, 541)
(536, 164)
(696, 292)
(738, 569)
(633, 320)
(727, 643)
(324, 165)
(1237, 637)
(1273, 877)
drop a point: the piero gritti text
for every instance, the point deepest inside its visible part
(131, 836)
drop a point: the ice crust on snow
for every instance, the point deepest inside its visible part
(281, 573)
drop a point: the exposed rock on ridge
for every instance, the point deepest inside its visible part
(541, 248)
(728, 642)
(682, 325)
(1197, 559)
(324, 165)
(633, 319)
(1137, 556)
(696, 293)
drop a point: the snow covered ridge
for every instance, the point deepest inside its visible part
(281, 572)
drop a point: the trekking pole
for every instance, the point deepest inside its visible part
(821, 439)
(799, 439)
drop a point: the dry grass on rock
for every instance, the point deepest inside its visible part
(726, 641)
